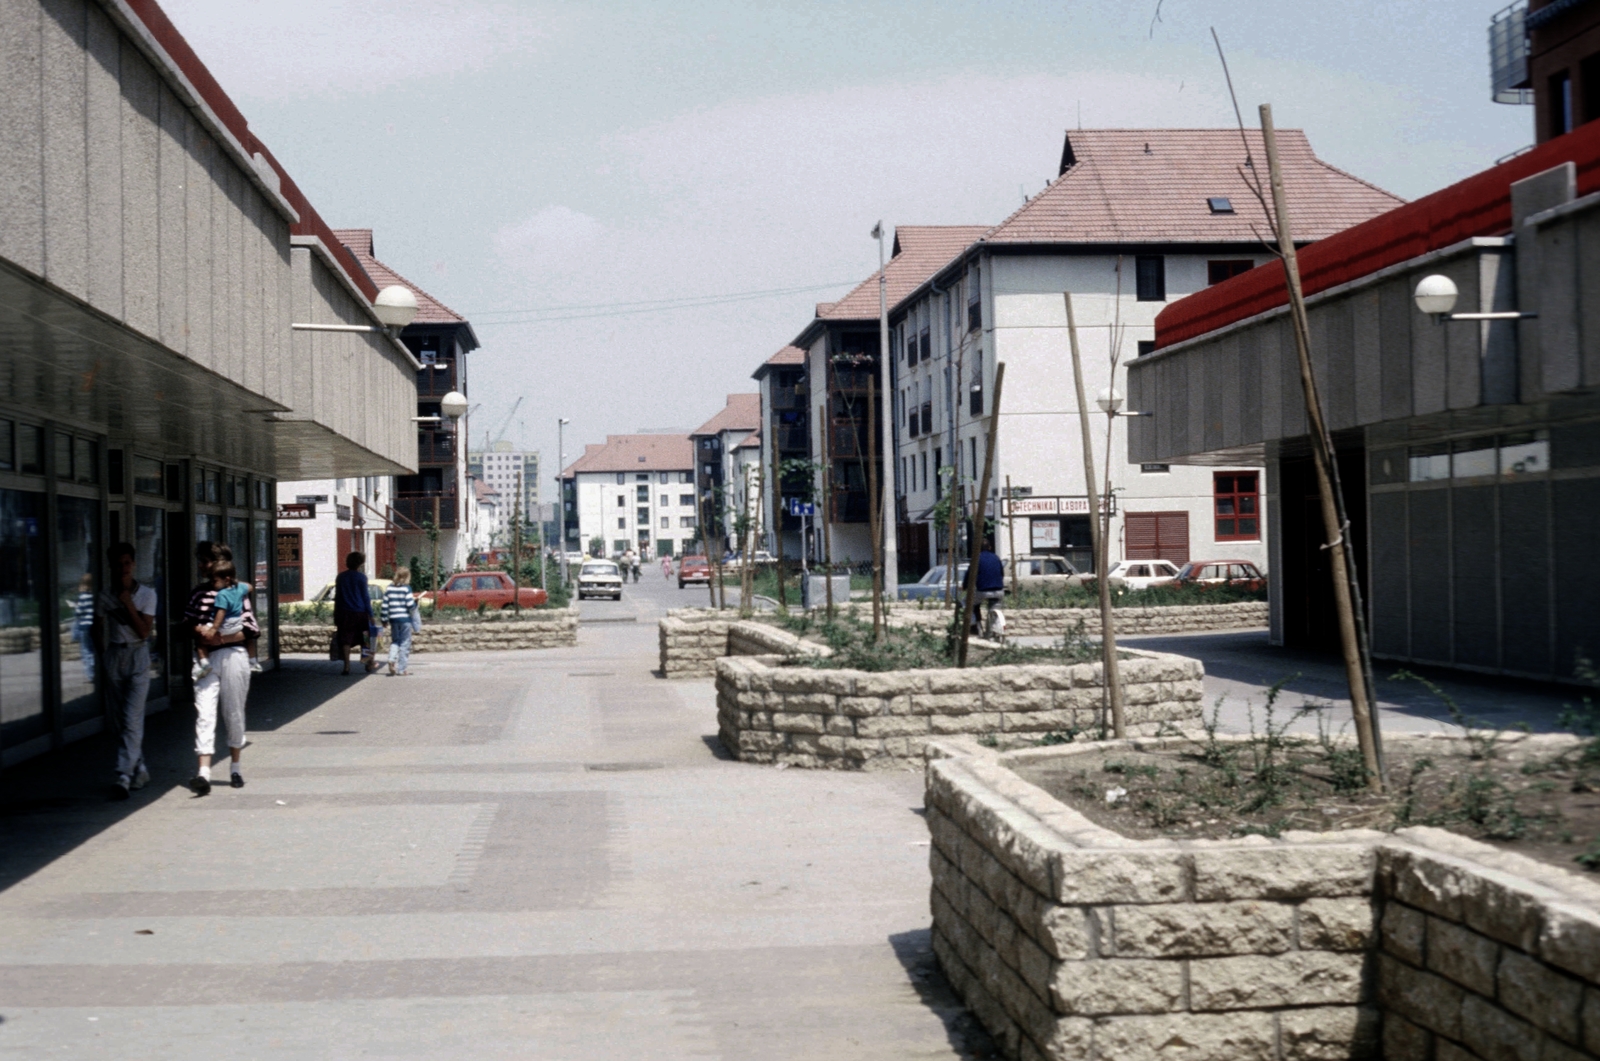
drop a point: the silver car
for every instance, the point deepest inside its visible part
(600, 578)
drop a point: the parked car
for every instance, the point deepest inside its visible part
(1142, 574)
(1239, 574)
(931, 586)
(1041, 572)
(324, 597)
(693, 569)
(494, 589)
(575, 558)
(761, 556)
(600, 578)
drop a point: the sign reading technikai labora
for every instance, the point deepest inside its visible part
(1066, 505)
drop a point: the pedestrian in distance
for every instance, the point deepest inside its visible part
(666, 568)
(352, 612)
(83, 625)
(401, 613)
(127, 614)
(226, 682)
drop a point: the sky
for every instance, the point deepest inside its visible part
(637, 203)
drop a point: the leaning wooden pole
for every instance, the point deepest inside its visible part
(980, 503)
(827, 508)
(874, 514)
(1108, 631)
(777, 513)
(1341, 554)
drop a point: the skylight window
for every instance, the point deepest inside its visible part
(1220, 204)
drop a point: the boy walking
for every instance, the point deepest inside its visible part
(399, 609)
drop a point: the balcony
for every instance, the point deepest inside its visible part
(794, 439)
(852, 380)
(417, 509)
(844, 440)
(436, 382)
(436, 447)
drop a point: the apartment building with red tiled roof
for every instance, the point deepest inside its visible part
(632, 492)
(1133, 219)
(719, 462)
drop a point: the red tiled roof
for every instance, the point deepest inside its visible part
(751, 441)
(919, 252)
(742, 413)
(1477, 206)
(429, 309)
(789, 355)
(1151, 186)
(635, 453)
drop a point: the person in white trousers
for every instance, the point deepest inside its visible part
(227, 685)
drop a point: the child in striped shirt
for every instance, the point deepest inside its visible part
(398, 605)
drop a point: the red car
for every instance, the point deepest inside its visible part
(470, 589)
(1239, 574)
(693, 569)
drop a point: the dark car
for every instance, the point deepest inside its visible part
(1236, 574)
(693, 569)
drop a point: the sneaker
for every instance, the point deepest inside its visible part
(255, 666)
(201, 668)
(236, 779)
(119, 788)
(140, 779)
(200, 786)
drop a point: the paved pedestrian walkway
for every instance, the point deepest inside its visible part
(507, 855)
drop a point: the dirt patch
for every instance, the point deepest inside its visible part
(1537, 797)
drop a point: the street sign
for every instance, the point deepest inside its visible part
(801, 508)
(297, 512)
(1063, 505)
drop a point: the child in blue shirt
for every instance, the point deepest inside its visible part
(228, 604)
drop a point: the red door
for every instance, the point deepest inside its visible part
(384, 549)
(1157, 536)
(341, 537)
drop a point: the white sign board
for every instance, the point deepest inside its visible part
(1046, 533)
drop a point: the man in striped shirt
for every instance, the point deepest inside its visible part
(397, 606)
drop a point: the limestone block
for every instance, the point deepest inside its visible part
(809, 680)
(893, 683)
(946, 703)
(1405, 932)
(1062, 930)
(1332, 1033)
(892, 726)
(1402, 1039)
(1462, 955)
(794, 722)
(1423, 998)
(979, 722)
(1254, 981)
(1196, 929)
(1335, 924)
(1283, 871)
(1495, 1034)
(1110, 986)
(760, 742)
(863, 706)
(909, 748)
(1016, 701)
(1038, 721)
(849, 747)
(970, 682)
(822, 703)
(1192, 1036)
(1531, 989)
(1118, 877)
(1570, 939)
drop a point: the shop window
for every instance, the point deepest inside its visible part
(30, 449)
(116, 473)
(208, 486)
(63, 456)
(1218, 271)
(291, 585)
(1237, 506)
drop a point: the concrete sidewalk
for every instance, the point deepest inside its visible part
(507, 855)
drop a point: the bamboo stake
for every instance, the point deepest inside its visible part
(1011, 535)
(1341, 554)
(777, 513)
(874, 515)
(827, 510)
(1108, 632)
(979, 504)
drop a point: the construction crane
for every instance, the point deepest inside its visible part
(488, 443)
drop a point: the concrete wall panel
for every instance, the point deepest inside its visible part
(1428, 562)
(1366, 355)
(1473, 582)
(1524, 517)
(1397, 317)
(1588, 287)
(1559, 333)
(103, 159)
(141, 230)
(173, 278)
(1464, 341)
(1389, 576)
(64, 31)
(21, 160)
(1577, 586)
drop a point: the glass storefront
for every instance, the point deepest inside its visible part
(150, 568)
(77, 553)
(261, 576)
(22, 598)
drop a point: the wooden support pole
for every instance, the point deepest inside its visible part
(979, 504)
(1341, 553)
(1108, 631)
(874, 513)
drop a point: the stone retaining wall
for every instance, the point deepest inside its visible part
(552, 628)
(1071, 941)
(693, 639)
(850, 719)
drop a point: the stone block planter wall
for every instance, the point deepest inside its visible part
(555, 628)
(1072, 941)
(692, 640)
(848, 719)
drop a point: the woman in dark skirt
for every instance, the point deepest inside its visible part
(352, 609)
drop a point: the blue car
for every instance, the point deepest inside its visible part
(931, 586)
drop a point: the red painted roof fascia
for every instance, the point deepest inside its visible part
(311, 223)
(1477, 206)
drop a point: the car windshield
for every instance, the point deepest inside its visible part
(599, 569)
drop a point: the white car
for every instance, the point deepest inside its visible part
(600, 578)
(575, 558)
(1142, 574)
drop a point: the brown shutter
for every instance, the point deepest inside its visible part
(1143, 541)
(1157, 536)
(1174, 534)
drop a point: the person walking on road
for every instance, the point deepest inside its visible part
(400, 612)
(666, 568)
(227, 683)
(128, 611)
(352, 611)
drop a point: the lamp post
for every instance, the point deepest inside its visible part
(395, 307)
(561, 491)
(1436, 296)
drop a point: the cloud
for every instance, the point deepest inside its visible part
(352, 46)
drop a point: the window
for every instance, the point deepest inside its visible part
(1157, 536)
(291, 586)
(666, 522)
(938, 477)
(643, 493)
(1561, 116)
(972, 444)
(709, 469)
(666, 499)
(643, 515)
(1155, 469)
(622, 523)
(686, 521)
(1227, 269)
(1150, 273)
(926, 341)
(1220, 204)
(976, 406)
(685, 499)
(8, 454)
(924, 470)
(622, 478)
(911, 352)
(686, 477)
(147, 477)
(1146, 347)
(63, 456)
(661, 478)
(1237, 512)
(619, 545)
(30, 449)
(974, 302)
(643, 477)
(86, 460)
(622, 501)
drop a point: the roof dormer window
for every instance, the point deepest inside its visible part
(1220, 204)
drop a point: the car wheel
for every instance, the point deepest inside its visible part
(680, 583)
(507, 607)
